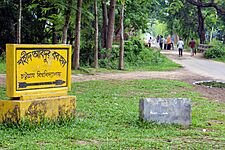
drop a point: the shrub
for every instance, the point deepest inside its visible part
(215, 52)
(111, 63)
(157, 57)
(132, 49)
(2, 57)
(135, 54)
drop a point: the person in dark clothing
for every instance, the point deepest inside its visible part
(158, 38)
(161, 42)
(150, 42)
(192, 46)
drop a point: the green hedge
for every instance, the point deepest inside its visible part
(217, 51)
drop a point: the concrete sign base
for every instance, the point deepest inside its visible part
(37, 109)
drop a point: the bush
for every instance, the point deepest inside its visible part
(2, 57)
(111, 63)
(150, 55)
(132, 48)
(215, 52)
(157, 57)
(135, 54)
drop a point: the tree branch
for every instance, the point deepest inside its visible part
(219, 9)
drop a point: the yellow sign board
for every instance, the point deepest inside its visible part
(38, 69)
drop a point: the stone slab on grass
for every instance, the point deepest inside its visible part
(166, 110)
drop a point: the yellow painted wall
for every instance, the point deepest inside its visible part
(37, 109)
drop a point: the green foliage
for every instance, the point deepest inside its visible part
(150, 56)
(215, 42)
(137, 14)
(112, 62)
(132, 49)
(2, 63)
(157, 57)
(136, 53)
(184, 19)
(159, 29)
(217, 51)
(2, 57)
(175, 6)
(2, 67)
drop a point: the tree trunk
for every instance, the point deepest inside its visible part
(105, 23)
(19, 23)
(54, 35)
(201, 28)
(76, 57)
(96, 36)
(67, 19)
(110, 32)
(211, 34)
(121, 59)
(224, 39)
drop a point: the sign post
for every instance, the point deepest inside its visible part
(38, 78)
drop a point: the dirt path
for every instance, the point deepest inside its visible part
(180, 74)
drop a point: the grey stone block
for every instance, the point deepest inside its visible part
(166, 110)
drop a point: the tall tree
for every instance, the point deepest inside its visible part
(19, 23)
(105, 23)
(67, 20)
(76, 57)
(110, 31)
(96, 35)
(199, 4)
(121, 55)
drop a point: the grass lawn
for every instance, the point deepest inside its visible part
(166, 65)
(107, 118)
(92, 71)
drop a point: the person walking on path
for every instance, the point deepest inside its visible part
(161, 42)
(192, 46)
(164, 41)
(158, 38)
(150, 42)
(168, 42)
(180, 46)
(172, 42)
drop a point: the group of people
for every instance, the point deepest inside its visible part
(168, 43)
(165, 43)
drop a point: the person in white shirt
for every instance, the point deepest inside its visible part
(180, 46)
(164, 41)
